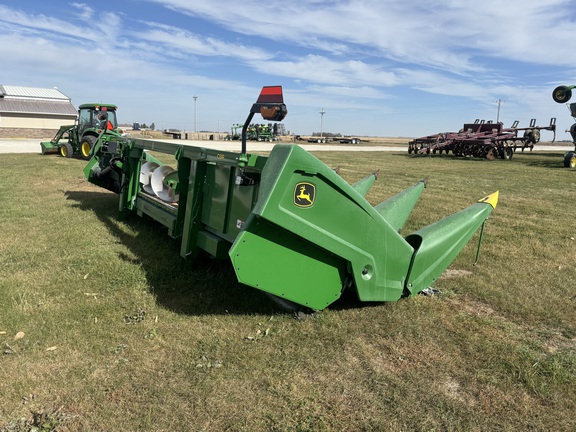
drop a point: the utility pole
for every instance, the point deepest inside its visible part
(322, 112)
(498, 116)
(195, 98)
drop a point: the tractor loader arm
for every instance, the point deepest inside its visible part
(52, 145)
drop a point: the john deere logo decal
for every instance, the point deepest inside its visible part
(304, 194)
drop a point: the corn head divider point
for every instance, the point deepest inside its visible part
(291, 226)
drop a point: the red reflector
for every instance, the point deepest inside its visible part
(271, 94)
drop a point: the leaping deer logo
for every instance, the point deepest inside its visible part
(304, 194)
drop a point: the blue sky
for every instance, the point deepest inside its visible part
(377, 67)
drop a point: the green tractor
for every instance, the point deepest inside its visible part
(94, 122)
(234, 135)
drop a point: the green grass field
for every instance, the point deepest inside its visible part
(102, 331)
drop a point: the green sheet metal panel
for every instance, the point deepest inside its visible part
(283, 264)
(397, 209)
(438, 244)
(216, 190)
(331, 214)
(242, 200)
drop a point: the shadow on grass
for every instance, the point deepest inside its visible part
(210, 287)
(547, 160)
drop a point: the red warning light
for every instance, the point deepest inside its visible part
(271, 94)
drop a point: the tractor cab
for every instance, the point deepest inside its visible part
(96, 118)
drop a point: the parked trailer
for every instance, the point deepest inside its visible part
(563, 94)
(324, 140)
(291, 226)
(349, 140)
(482, 140)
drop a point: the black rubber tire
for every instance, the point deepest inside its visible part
(86, 144)
(573, 131)
(507, 153)
(66, 150)
(289, 306)
(561, 94)
(570, 160)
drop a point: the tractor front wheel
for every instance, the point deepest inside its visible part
(570, 160)
(86, 145)
(66, 150)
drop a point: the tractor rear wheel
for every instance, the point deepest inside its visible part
(86, 145)
(66, 150)
(570, 160)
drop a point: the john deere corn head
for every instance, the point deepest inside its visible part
(563, 94)
(291, 226)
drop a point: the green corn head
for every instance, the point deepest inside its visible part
(291, 226)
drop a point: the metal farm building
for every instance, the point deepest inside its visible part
(30, 112)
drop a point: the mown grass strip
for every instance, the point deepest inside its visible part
(117, 337)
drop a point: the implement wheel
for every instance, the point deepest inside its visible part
(561, 94)
(289, 306)
(86, 145)
(570, 160)
(492, 153)
(507, 153)
(66, 150)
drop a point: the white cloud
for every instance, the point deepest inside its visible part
(361, 56)
(320, 69)
(176, 41)
(50, 27)
(85, 12)
(443, 34)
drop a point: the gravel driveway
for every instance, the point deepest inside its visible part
(33, 146)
